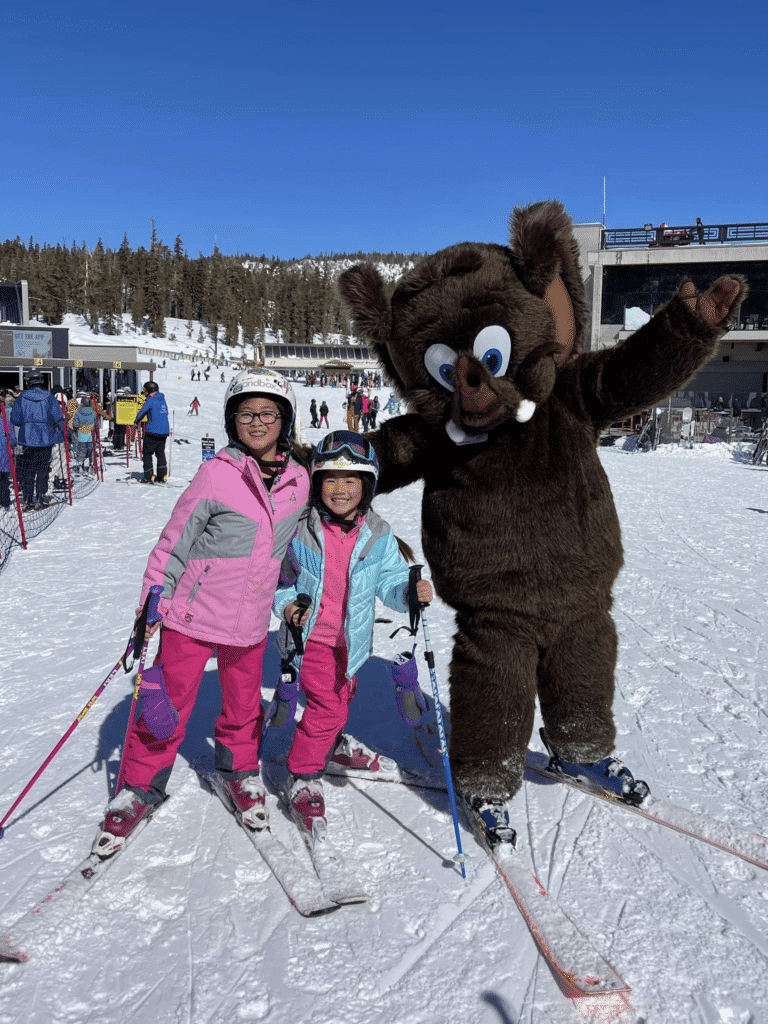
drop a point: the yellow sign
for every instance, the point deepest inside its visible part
(126, 407)
(78, 362)
(38, 362)
(116, 366)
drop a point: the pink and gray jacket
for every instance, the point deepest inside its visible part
(218, 557)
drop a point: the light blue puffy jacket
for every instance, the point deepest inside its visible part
(377, 569)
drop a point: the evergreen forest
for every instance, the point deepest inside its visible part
(242, 296)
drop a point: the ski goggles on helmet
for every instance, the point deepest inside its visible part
(343, 445)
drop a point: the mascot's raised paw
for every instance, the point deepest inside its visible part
(485, 344)
(719, 305)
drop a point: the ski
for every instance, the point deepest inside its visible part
(390, 771)
(731, 839)
(138, 481)
(749, 846)
(335, 876)
(31, 928)
(300, 885)
(570, 954)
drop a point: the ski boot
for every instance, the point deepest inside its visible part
(306, 803)
(248, 798)
(352, 753)
(492, 820)
(611, 777)
(123, 815)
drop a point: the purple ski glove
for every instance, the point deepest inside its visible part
(408, 696)
(282, 710)
(160, 716)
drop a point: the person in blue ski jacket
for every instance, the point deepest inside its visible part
(84, 422)
(156, 432)
(342, 556)
(40, 420)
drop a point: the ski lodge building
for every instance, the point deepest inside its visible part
(630, 272)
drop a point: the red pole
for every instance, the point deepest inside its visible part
(66, 447)
(98, 460)
(13, 477)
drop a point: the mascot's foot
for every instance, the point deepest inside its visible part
(492, 820)
(609, 776)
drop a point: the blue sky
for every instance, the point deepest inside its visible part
(311, 126)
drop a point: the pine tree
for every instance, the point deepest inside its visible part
(52, 283)
(138, 297)
(125, 260)
(94, 271)
(215, 297)
(156, 290)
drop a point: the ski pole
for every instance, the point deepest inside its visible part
(149, 616)
(283, 707)
(122, 661)
(430, 660)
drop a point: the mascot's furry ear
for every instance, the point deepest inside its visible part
(546, 260)
(362, 290)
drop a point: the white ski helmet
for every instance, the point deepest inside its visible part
(345, 449)
(267, 383)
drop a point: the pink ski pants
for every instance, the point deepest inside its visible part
(329, 694)
(148, 761)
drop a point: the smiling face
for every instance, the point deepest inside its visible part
(342, 492)
(259, 438)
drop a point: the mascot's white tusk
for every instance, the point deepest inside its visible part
(460, 436)
(525, 410)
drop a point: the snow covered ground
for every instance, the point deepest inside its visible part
(190, 926)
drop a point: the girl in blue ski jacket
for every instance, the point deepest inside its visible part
(343, 556)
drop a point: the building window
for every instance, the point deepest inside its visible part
(651, 285)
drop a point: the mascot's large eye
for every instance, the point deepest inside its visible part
(492, 347)
(440, 360)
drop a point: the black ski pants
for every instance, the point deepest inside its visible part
(154, 444)
(36, 463)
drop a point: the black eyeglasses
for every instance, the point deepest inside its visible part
(267, 418)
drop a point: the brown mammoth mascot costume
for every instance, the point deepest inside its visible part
(518, 522)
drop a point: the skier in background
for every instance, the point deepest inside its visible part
(156, 432)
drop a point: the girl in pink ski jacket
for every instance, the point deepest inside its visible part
(218, 561)
(218, 558)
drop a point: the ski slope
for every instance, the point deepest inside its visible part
(189, 926)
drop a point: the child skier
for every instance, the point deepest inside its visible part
(84, 422)
(342, 556)
(218, 560)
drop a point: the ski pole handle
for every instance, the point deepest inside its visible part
(303, 601)
(153, 614)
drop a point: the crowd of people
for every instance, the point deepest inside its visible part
(32, 438)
